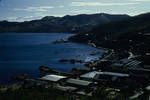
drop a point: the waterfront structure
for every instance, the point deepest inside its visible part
(78, 82)
(53, 78)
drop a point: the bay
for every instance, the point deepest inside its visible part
(25, 52)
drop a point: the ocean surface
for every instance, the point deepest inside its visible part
(25, 52)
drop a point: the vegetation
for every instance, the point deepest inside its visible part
(113, 35)
(128, 34)
(78, 23)
(40, 93)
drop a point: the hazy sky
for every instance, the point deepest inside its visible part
(20, 10)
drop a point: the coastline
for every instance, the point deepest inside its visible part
(74, 58)
(104, 65)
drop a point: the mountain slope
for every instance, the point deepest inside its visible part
(77, 23)
(118, 34)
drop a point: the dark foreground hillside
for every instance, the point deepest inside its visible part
(17, 92)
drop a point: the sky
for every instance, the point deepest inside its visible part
(24, 10)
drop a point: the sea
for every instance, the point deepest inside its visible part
(24, 52)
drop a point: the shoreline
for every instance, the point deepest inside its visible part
(109, 54)
(61, 58)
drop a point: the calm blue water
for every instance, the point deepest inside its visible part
(25, 52)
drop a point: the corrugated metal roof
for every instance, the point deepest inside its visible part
(78, 82)
(90, 74)
(53, 78)
(94, 73)
(116, 74)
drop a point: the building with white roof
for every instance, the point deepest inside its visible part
(53, 78)
(78, 82)
(94, 73)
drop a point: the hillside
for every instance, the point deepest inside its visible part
(77, 23)
(122, 34)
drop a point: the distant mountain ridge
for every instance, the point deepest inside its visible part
(77, 23)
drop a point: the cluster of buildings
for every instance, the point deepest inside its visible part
(87, 83)
(128, 76)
